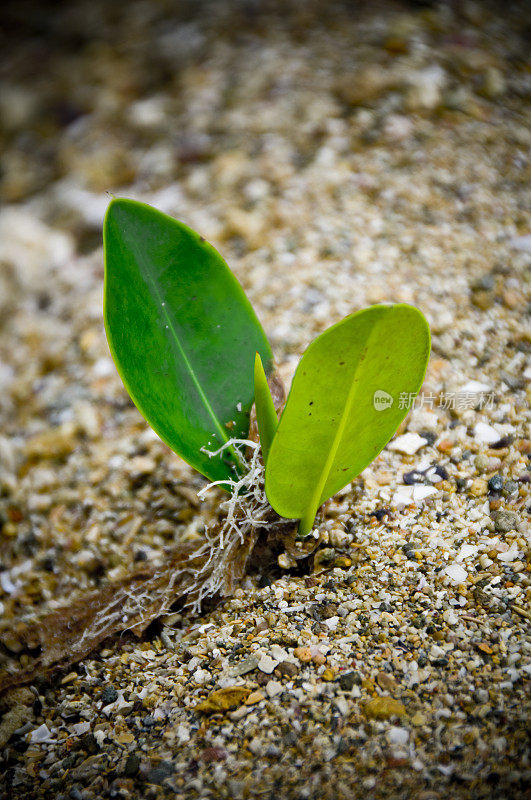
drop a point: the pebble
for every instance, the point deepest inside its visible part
(248, 664)
(347, 680)
(108, 695)
(304, 654)
(456, 573)
(511, 487)
(132, 765)
(273, 688)
(397, 736)
(425, 89)
(505, 521)
(40, 734)
(486, 433)
(408, 443)
(13, 719)
(383, 708)
(386, 681)
(478, 487)
(267, 664)
(255, 697)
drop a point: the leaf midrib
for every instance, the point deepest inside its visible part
(152, 283)
(317, 498)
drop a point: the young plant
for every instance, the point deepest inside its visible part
(184, 338)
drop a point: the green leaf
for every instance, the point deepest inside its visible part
(266, 416)
(182, 334)
(339, 413)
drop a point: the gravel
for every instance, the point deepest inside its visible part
(335, 159)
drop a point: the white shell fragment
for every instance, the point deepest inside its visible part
(486, 433)
(408, 443)
(397, 735)
(267, 664)
(40, 734)
(510, 555)
(466, 551)
(456, 573)
(405, 495)
(474, 387)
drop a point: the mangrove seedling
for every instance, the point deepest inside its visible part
(194, 358)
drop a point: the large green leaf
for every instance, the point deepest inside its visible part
(182, 334)
(339, 413)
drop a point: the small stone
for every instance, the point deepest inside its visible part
(466, 551)
(80, 728)
(347, 680)
(397, 736)
(109, 695)
(248, 664)
(512, 299)
(328, 675)
(256, 746)
(445, 445)
(214, 754)
(342, 562)
(202, 676)
(505, 521)
(267, 664)
(40, 734)
(424, 91)
(160, 772)
(481, 462)
(482, 299)
(254, 697)
(493, 84)
(125, 738)
(287, 668)
(365, 85)
(383, 708)
(304, 654)
(418, 719)
(285, 562)
(386, 681)
(89, 743)
(273, 688)
(408, 443)
(522, 243)
(486, 433)
(511, 487)
(319, 658)
(456, 573)
(496, 483)
(54, 443)
(223, 699)
(478, 487)
(140, 465)
(509, 555)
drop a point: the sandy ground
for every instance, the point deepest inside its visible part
(338, 158)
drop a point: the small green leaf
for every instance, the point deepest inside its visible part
(345, 403)
(181, 332)
(266, 416)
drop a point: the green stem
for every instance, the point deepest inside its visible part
(266, 414)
